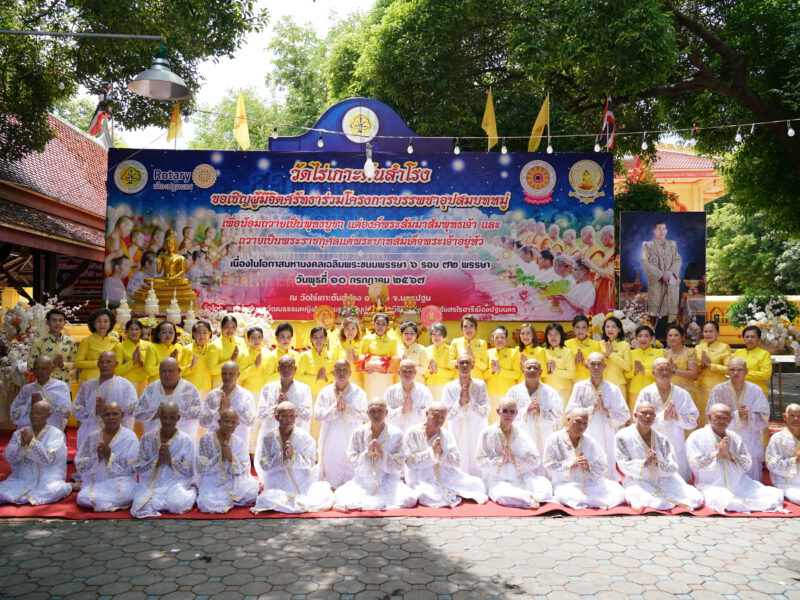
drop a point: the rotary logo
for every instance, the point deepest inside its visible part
(130, 176)
(586, 179)
(204, 176)
(538, 179)
(360, 124)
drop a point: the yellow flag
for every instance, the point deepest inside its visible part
(240, 130)
(175, 123)
(542, 121)
(489, 123)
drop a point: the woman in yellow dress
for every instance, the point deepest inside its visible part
(316, 368)
(471, 345)
(640, 374)
(408, 348)
(201, 359)
(504, 370)
(759, 361)
(229, 345)
(712, 358)
(349, 347)
(558, 368)
(379, 344)
(164, 345)
(582, 345)
(684, 361)
(101, 324)
(438, 372)
(131, 356)
(255, 363)
(529, 346)
(283, 345)
(617, 354)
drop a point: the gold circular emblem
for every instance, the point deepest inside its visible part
(204, 176)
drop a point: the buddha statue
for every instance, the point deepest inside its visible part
(172, 284)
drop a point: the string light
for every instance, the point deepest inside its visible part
(789, 130)
(503, 149)
(596, 144)
(752, 128)
(644, 141)
(410, 148)
(275, 133)
(456, 149)
(738, 137)
(549, 147)
(320, 142)
(369, 166)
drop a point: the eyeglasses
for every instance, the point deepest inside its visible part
(508, 411)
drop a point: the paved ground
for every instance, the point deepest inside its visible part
(622, 557)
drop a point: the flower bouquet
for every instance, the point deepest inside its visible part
(774, 314)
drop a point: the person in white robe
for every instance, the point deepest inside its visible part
(408, 399)
(749, 408)
(38, 459)
(375, 452)
(508, 459)
(341, 407)
(782, 455)
(539, 407)
(467, 403)
(94, 394)
(675, 412)
(650, 465)
(45, 387)
(432, 463)
(229, 395)
(607, 409)
(105, 462)
(720, 463)
(170, 387)
(577, 467)
(166, 468)
(224, 479)
(287, 457)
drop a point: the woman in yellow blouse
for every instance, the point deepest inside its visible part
(101, 324)
(316, 368)
(759, 361)
(228, 345)
(640, 374)
(438, 372)
(712, 358)
(528, 346)
(558, 369)
(132, 354)
(379, 343)
(164, 345)
(471, 345)
(582, 345)
(684, 361)
(410, 349)
(201, 359)
(283, 345)
(349, 347)
(504, 370)
(255, 363)
(617, 353)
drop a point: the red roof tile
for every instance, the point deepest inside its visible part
(670, 160)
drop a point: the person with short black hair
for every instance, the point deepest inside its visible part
(57, 345)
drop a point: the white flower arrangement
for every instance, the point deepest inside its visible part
(775, 315)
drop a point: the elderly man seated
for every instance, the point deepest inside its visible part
(577, 467)
(53, 391)
(287, 457)
(170, 387)
(165, 466)
(375, 452)
(646, 458)
(720, 462)
(223, 466)
(229, 395)
(432, 463)
(508, 459)
(467, 403)
(407, 399)
(106, 461)
(38, 459)
(782, 455)
(749, 409)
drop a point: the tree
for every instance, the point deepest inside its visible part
(77, 110)
(38, 72)
(788, 268)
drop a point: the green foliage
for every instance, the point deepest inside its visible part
(644, 196)
(33, 67)
(750, 304)
(77, 110)
(788, 268)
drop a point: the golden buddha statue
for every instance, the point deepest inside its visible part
(172, 283)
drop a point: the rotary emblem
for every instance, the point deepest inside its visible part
(130, 176)
(586, 179)
(360, 124)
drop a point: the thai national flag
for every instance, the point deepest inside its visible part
(609, 125)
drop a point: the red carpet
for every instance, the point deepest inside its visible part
(68, 509)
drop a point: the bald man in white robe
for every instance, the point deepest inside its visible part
(783, 455)
(407, 400)
(467, 403)
(170, 387)
(45, 387)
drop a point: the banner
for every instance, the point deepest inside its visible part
(477, 233)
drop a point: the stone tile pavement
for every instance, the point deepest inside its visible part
(648, 558)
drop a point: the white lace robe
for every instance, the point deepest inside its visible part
(656, 486)
(337, 427)
(298, 394)
(782, 464)
(724, 483)
(514, 483)
(221, 485)
(241, 401)
(290, 485)
(376, 482)
(602, 427)
(117, 389)
(674, 430)
(438, 480)
(394, 397)
(577, 487)
(185, 395)
(38, 470)
(538, 426)
(107, 484)
(752, 428)
(466, 422)
(164, 487)
(55, 392)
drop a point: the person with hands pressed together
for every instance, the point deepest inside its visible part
(438, 371)
(170, 387)
(408, 399)
(164, 345)
(783, 455)
(470, 345)
(56, 345)
(467, 403)
(504, 370)
(44, 387)
(132, 355)
(229, 395)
